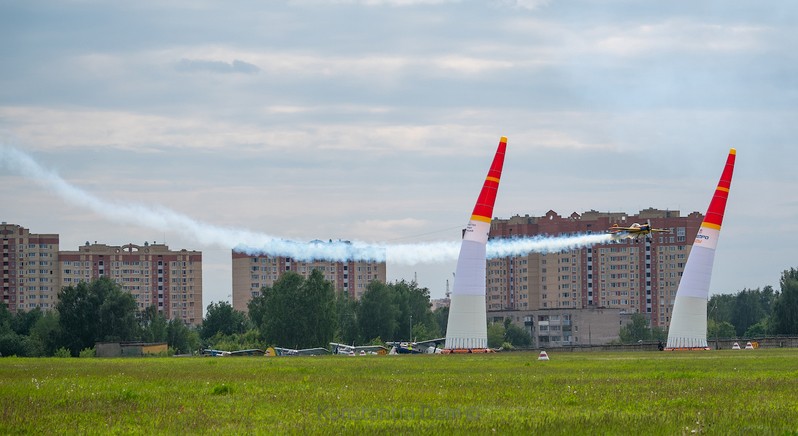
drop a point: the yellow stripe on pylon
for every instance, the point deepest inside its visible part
(710, 225)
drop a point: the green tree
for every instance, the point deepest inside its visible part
(659, 334)
(95, 311)
(182, 338)
(516, 335)
(757, 330)
(636, 330)
(23, 321)
(11, 344)
(720, 330)
(747, 310)
(6, 319)
(346, 310)
(296, 312)
(47, 333)
(377, 314)
(423, 332)
(413, 306)
(222, 318)
(237, 341)
(276, 311)
(441, 316)
(154, 326)
(785, 307)
(495, 334)
(766, 299)
(318, 299)
(720, 307)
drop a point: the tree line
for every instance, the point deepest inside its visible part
(753, 313)
(299, 312)
(296, 312)
(750, 313)
(90, 312)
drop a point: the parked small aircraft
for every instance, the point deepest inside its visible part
(357, 350)
(303, 352)
(214, 353)
(223, 353)
(634, 231)
(431, 346)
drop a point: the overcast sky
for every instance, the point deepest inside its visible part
(376, 120)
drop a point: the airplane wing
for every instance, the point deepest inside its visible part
(250, 352)
(341, 348)
(431, 342)
(430, 346)
(357, 349)
(284, 351)
(371, 349)
(303, 352)
(318, 351)
(215, 353)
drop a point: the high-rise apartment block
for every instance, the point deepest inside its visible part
(35, 270)
(152, 273)
(631, 275)
(30, 269)
(251, 272)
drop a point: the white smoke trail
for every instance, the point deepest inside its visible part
(543, 244)
(249, 242)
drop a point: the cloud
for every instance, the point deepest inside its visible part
(375, 2)
(237, 66)
(369, 132)
(524, 4)
(676, 36)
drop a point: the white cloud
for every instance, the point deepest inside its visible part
(237, 66)
(676, 36)
(43, 128)
(524, 4)
(374, 2)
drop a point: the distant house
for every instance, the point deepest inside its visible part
(130, 349)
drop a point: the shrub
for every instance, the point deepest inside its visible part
(62, 352)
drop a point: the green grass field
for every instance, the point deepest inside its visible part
(714, 392)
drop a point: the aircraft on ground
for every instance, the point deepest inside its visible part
(318, 351)
(431, 346)
(214, 353)
(357, 350)
(634, 231)
(248, 352)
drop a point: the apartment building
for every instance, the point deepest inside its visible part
(251, 272)
(171, 280)
(631, 276)
(30, 270)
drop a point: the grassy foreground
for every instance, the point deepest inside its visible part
(715, 392)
